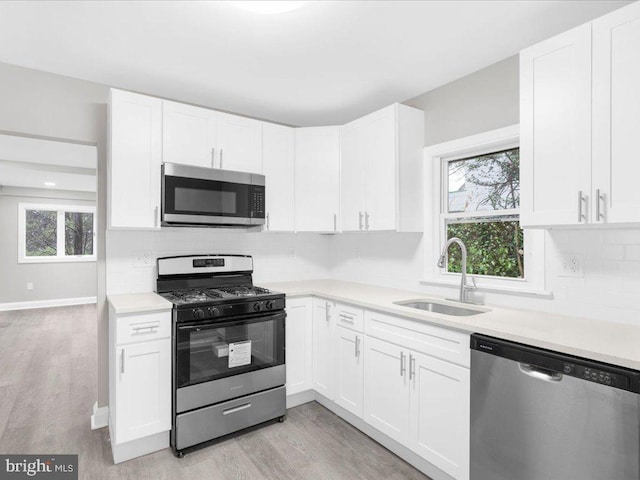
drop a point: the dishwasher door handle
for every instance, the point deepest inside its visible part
(538, 373)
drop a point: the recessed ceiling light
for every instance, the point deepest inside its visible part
(50, 184)
(267, 7)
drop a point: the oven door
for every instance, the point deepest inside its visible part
(207, 196)
(219, 360)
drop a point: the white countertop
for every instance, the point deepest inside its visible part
(138, 302)
(614, 343)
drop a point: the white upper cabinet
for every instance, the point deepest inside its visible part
(206, 138)
(555, 129)
(616, 116)
(580, 114)
(278, 145)
(239, 141)
(135, 156)
(382, 170)
(188, 134)
(317, 179)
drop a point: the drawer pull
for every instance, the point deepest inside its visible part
(140, 330)
(236, 409)
(347, 318)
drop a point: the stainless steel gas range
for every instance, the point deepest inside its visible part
(228, 347)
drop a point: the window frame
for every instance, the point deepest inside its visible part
(60, 210)
(436, 160)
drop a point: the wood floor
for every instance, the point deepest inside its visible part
(48, 384)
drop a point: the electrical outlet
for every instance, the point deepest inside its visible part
(573, 266)
(29, 286)
(144, 260)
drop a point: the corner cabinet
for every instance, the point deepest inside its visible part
(139, 382)
(134, 159)
(579, 122)
(278, 157)
(317, 179)
(381, 175)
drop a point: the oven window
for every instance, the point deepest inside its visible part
(209, 351)
(209, 201)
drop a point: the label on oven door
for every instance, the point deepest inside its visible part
(239, 354)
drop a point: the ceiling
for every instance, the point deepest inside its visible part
(325, 63)
(47, 164)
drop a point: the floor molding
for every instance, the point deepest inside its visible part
(100, 417)
(60, 302)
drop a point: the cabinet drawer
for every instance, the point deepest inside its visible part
(349, 317)
(435, 341)
(143, 327)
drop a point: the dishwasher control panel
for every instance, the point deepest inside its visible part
(549, 362)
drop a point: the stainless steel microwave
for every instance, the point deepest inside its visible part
(200, 196)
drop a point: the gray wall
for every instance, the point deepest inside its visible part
(483, 101)
(42, 104)
(50, 280)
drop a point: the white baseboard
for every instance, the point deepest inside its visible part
(100, 417)
(61, 302)
(300, 398)
(140, 447)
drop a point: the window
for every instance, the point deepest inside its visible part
(56, 233)
(475, 185)
(483, 197)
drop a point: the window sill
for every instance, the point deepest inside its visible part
(507, 290)
(56, 259)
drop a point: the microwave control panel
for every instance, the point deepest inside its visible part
(257, 202)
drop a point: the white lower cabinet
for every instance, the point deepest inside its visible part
(386, 389)
(349, 370)
(439, 414)
(139, 382)
(142, 390)
(323, 347)
(298, 345)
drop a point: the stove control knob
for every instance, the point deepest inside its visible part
(257, 306)
(198, 313)
(269, 305)
(213, 311)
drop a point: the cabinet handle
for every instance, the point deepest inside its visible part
(599, 213)
(267, 221)
(360, 220)
(581, 199)
(122, 361)
(402, 367)
(221, 158)
(156, 218)
(326, 311)
(412, 366)
(141, 330)
(213, 157)
(346, 318)
(335, 222)
(366, 220)
(357, 346)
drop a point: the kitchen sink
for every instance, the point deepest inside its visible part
(436, 307)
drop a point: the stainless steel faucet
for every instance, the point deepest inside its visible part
(464, 287)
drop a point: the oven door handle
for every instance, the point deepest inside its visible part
(225, 323)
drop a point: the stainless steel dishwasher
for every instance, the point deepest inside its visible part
(542, 415)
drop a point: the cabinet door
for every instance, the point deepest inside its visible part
(353, 177)
(239, 143)
(278, 145)
(317, 191)
(349, 371)
(386, 388)
(298, 344)
(555, 129)
(440, 413)
(143, 390)
(323, 347)
(188, 134)
(380, 153)
(616, 116)
(135, 123)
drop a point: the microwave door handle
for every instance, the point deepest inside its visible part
(213, 157)
(221, 159)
